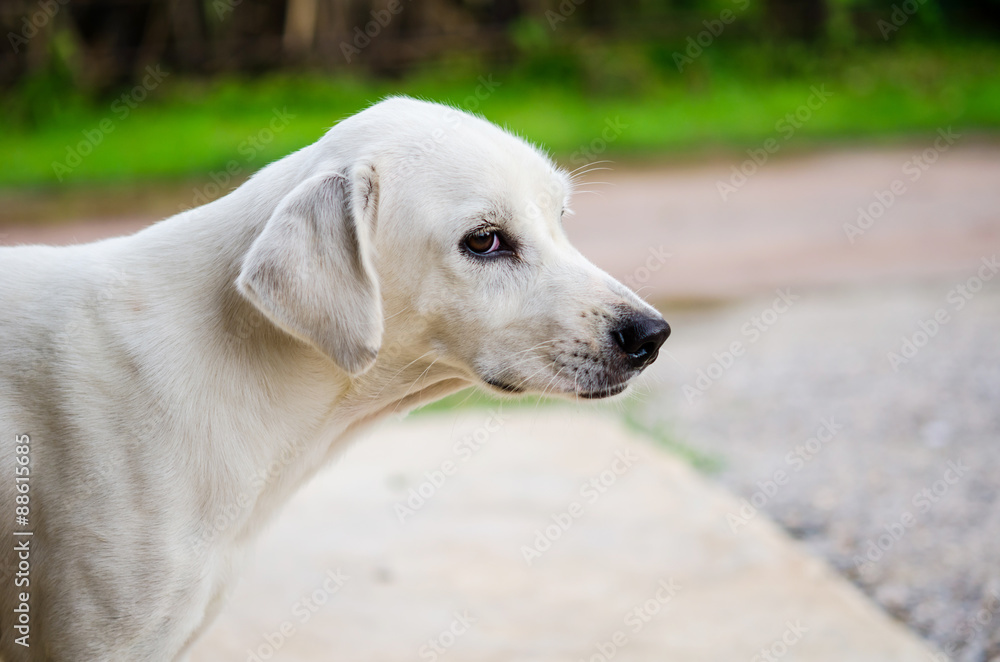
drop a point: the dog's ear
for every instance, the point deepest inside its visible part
(310, 271)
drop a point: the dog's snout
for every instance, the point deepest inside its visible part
(640, 339)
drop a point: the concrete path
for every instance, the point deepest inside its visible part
(535, 535)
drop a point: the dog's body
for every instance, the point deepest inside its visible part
(171, 389)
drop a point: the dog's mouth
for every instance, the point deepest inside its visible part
(506, 388)
(604, 392)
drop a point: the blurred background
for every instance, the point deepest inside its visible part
(815, 181)
(694, 76)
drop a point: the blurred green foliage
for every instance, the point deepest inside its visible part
(729, 98)
(668, 75)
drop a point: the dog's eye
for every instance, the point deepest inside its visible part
(484, 242)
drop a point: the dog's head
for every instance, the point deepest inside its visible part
(432, 241)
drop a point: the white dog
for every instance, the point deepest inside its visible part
(162, 394)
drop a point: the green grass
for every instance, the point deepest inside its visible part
(663, 437)
(475, 398)
(726, 100)
(658, 434)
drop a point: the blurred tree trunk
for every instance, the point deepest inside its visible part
(187, 21)
(332, 28)
(300, 28)
(802, 20)
(114, 37)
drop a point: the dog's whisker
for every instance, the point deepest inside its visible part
(533, 348)
(549, 386)
(584, 180)
(524, 381)
(544, 391)
(419, 377)
(514, 364)
(408, 392)
(587, 165)
(672, 357)
(392, 379)
(583, 170)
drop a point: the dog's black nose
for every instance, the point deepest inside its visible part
(640, 338)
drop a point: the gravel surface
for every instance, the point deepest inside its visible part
(891, 475)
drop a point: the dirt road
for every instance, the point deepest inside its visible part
(786, 225)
